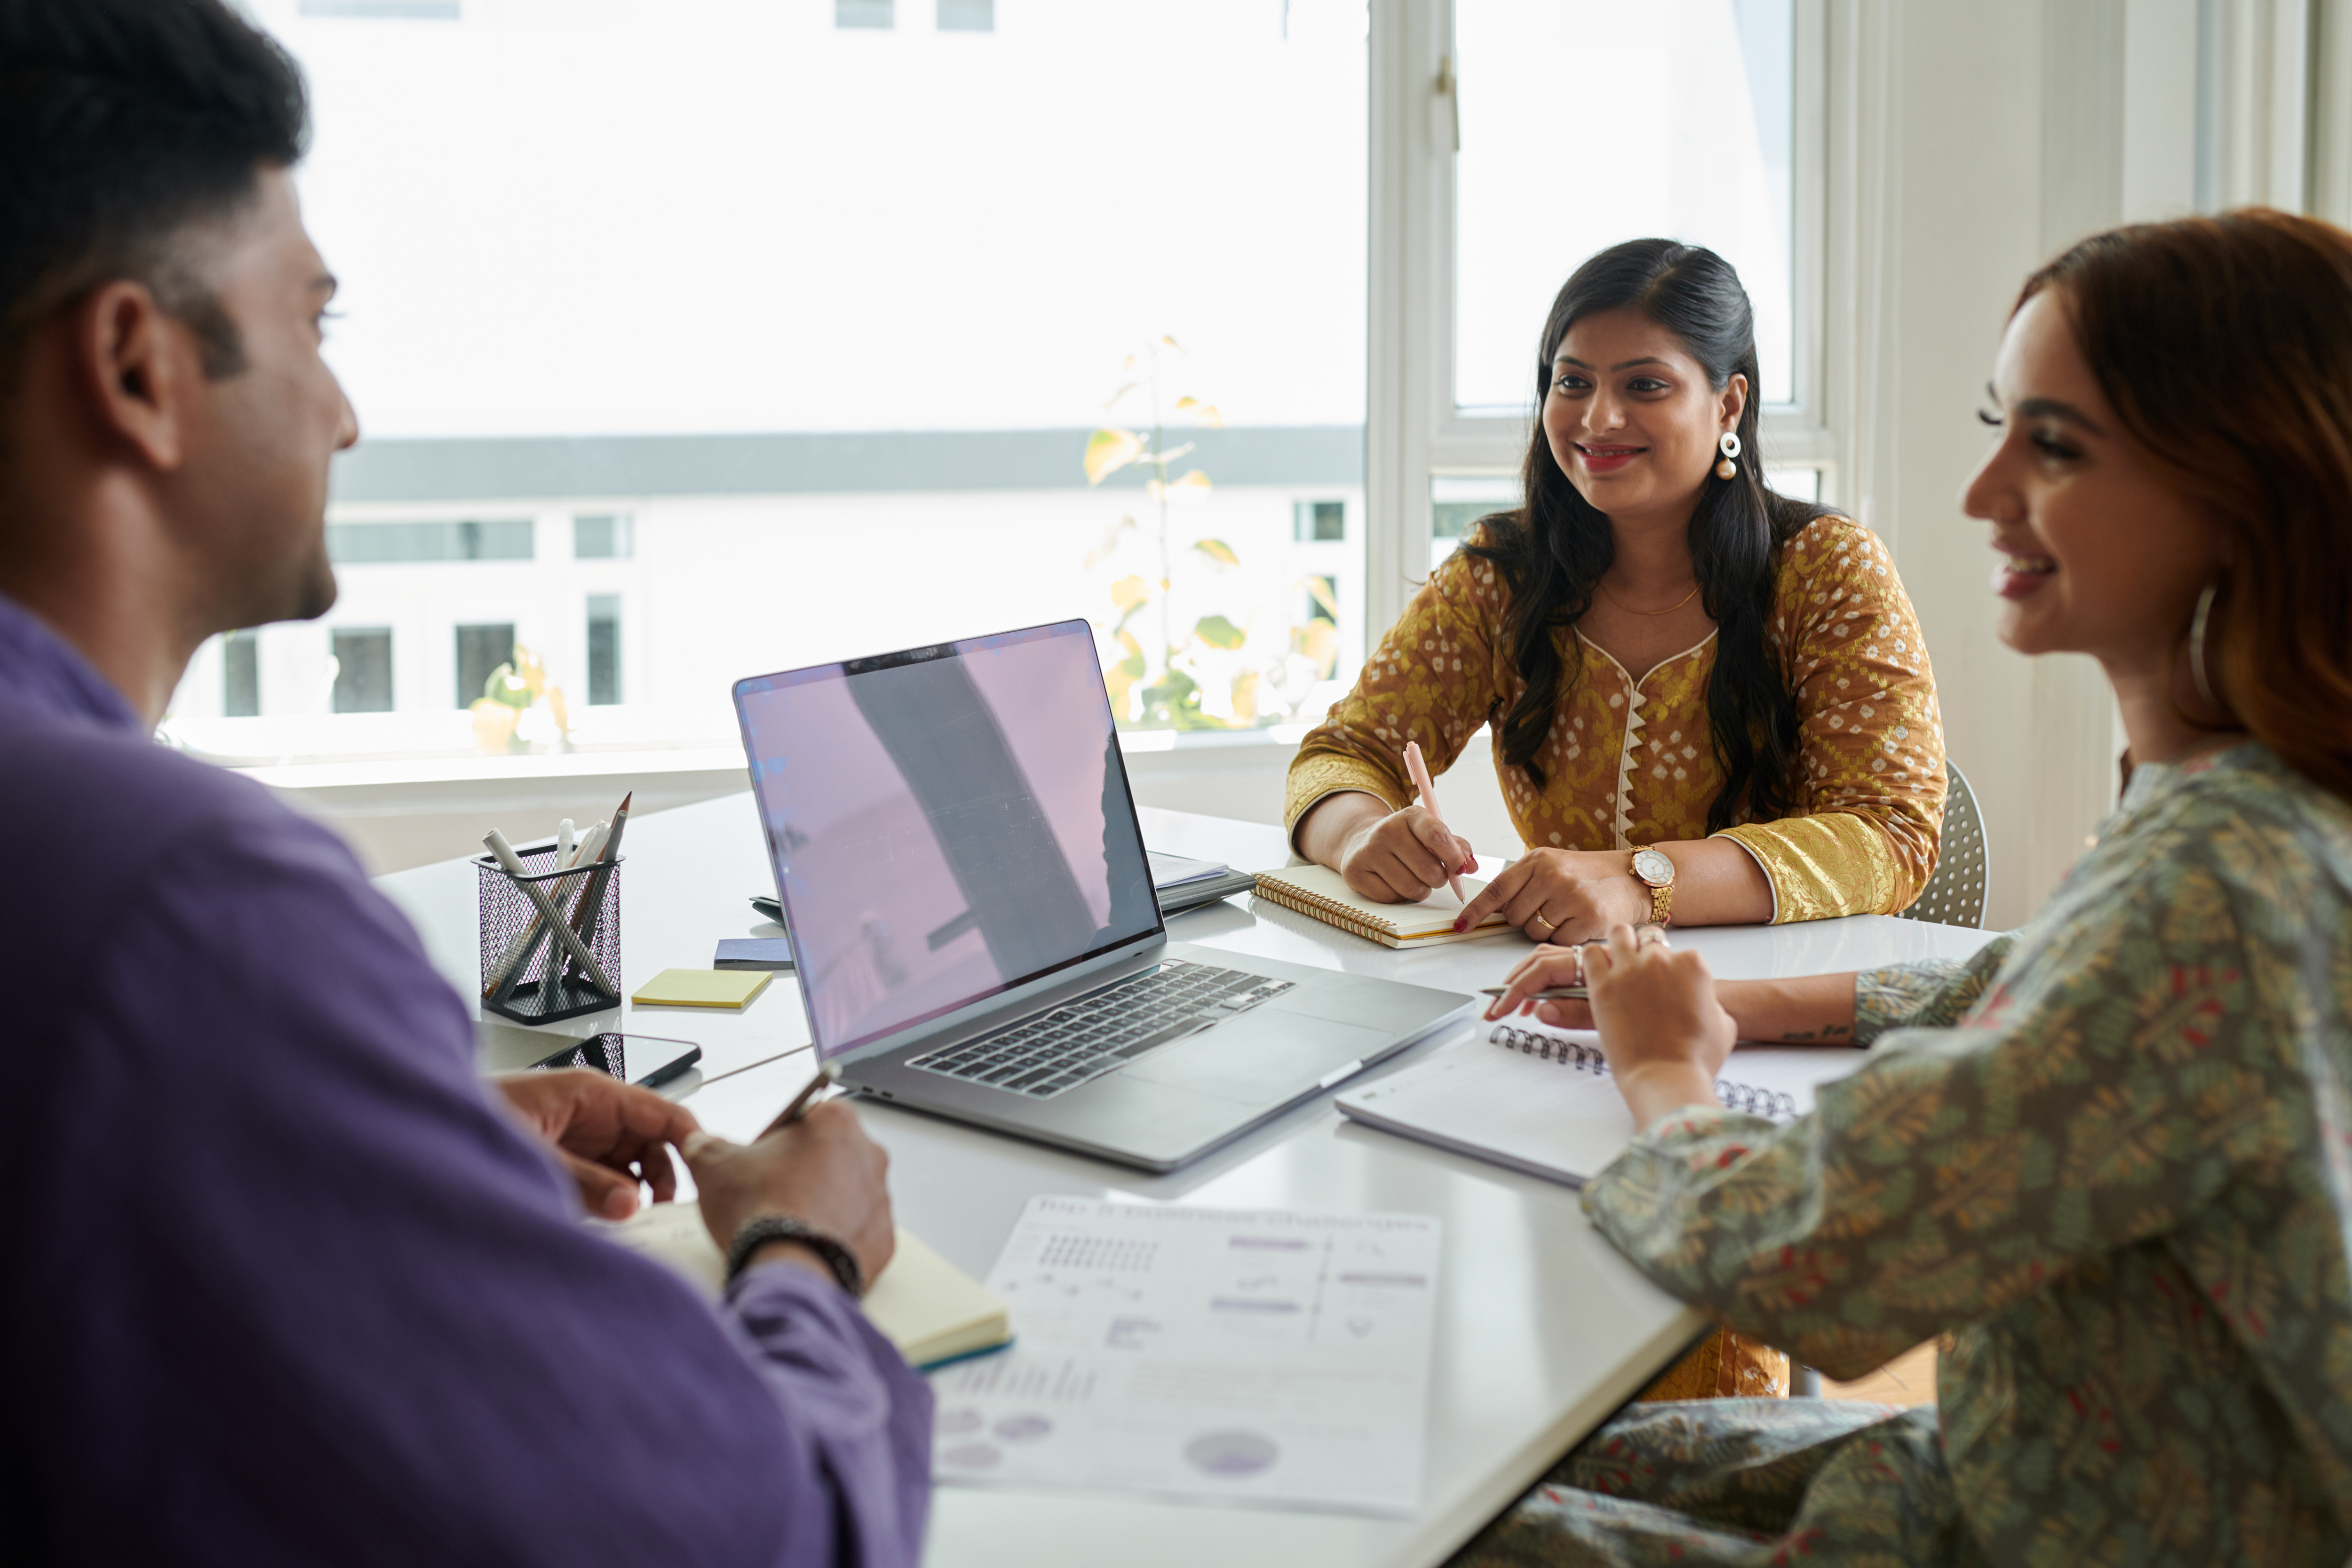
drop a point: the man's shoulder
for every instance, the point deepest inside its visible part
(87, 812)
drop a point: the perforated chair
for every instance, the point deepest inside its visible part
(1955, 895)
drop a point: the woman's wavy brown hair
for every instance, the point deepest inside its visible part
(2224, 345)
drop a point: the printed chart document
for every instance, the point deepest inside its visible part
(1238, 1355)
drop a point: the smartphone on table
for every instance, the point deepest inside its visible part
(647, 1061)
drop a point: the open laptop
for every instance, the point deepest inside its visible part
(972, 913)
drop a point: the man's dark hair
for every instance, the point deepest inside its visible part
(123, 123)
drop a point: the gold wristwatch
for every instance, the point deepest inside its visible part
(1654, 872)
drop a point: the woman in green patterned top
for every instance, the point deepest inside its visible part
(2110, 1160)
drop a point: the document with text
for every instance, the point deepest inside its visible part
(1253, 1356)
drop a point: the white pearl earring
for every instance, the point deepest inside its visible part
(1729, 446)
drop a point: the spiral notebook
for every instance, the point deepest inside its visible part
(1539, 1100)
(1320, 891)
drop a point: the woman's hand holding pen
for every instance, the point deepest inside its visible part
(1402, 857)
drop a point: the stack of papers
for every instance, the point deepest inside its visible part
(1176, 870)
(1242, 1356)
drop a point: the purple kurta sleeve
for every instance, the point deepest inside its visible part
(303, 1293)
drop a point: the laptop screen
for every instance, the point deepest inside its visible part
(946, 823)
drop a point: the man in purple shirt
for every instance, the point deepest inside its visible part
(284, 1280)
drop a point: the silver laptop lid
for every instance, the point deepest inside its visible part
(946, 824)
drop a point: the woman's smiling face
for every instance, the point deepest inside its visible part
(2098, 553)
(1630, 418)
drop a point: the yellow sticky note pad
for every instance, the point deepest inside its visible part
(701, 987)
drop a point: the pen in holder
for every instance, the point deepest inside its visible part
(530, 972)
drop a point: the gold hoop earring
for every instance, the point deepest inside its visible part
(1729, 446)
(2197, 647)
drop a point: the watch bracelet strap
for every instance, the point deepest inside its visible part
(761, 1229)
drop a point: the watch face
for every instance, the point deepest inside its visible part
(1654, 868)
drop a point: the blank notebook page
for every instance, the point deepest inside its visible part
(1554, 1117)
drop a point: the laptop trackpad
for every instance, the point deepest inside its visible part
(1260, 1059)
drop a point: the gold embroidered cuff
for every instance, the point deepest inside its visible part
(1316, 774)
(1824, 867)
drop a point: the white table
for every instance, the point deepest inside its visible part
(1542, 1328)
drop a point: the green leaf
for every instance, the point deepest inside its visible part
(1219, 632)
(1107, 451)
(1129, 592)
(1321, 592)
(1218, 550)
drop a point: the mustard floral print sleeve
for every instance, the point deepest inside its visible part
(1630, 758)
(2121, 1182)
(1871, 752)
(1432, 679)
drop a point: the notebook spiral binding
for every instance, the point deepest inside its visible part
(1746, 1099)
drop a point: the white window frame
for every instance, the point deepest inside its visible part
(1414, 432)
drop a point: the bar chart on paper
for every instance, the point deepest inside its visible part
(1253, 1356)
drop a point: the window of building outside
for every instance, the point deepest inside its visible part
(481, 651)
(361, 665)
(816, 330)
(604, 649)
(240, 676)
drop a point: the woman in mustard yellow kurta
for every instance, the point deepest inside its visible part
(1671, 655)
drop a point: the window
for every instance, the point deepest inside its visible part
(604, 649)
(363, 670)
(481, 651)
(1524, 65)
(886, 423)
(1477, 102)
(358, 544)
(240, 676)
(600, 537)
(1455, 503)
(1317, 522)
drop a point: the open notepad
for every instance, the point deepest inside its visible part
(1540, 1100)
(1320, 892)
(932, 1310)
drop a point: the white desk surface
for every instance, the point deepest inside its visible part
(1542, 1328)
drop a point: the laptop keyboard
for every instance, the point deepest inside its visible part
(1056, 1052)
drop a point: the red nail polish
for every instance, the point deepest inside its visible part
(1458, 919)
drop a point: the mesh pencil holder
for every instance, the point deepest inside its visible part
(528, 974)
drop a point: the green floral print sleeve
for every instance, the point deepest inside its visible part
(2119, 1180)
(1931, 994)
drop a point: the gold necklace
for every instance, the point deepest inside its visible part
(1669, 610)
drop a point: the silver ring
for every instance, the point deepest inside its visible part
(1650, 936)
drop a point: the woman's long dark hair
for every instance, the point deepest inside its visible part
(1554, 550)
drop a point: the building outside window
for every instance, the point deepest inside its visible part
(901, 432)
(362, 670)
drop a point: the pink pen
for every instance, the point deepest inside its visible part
(1420, 772)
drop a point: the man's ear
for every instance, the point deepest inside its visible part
(136, 368)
